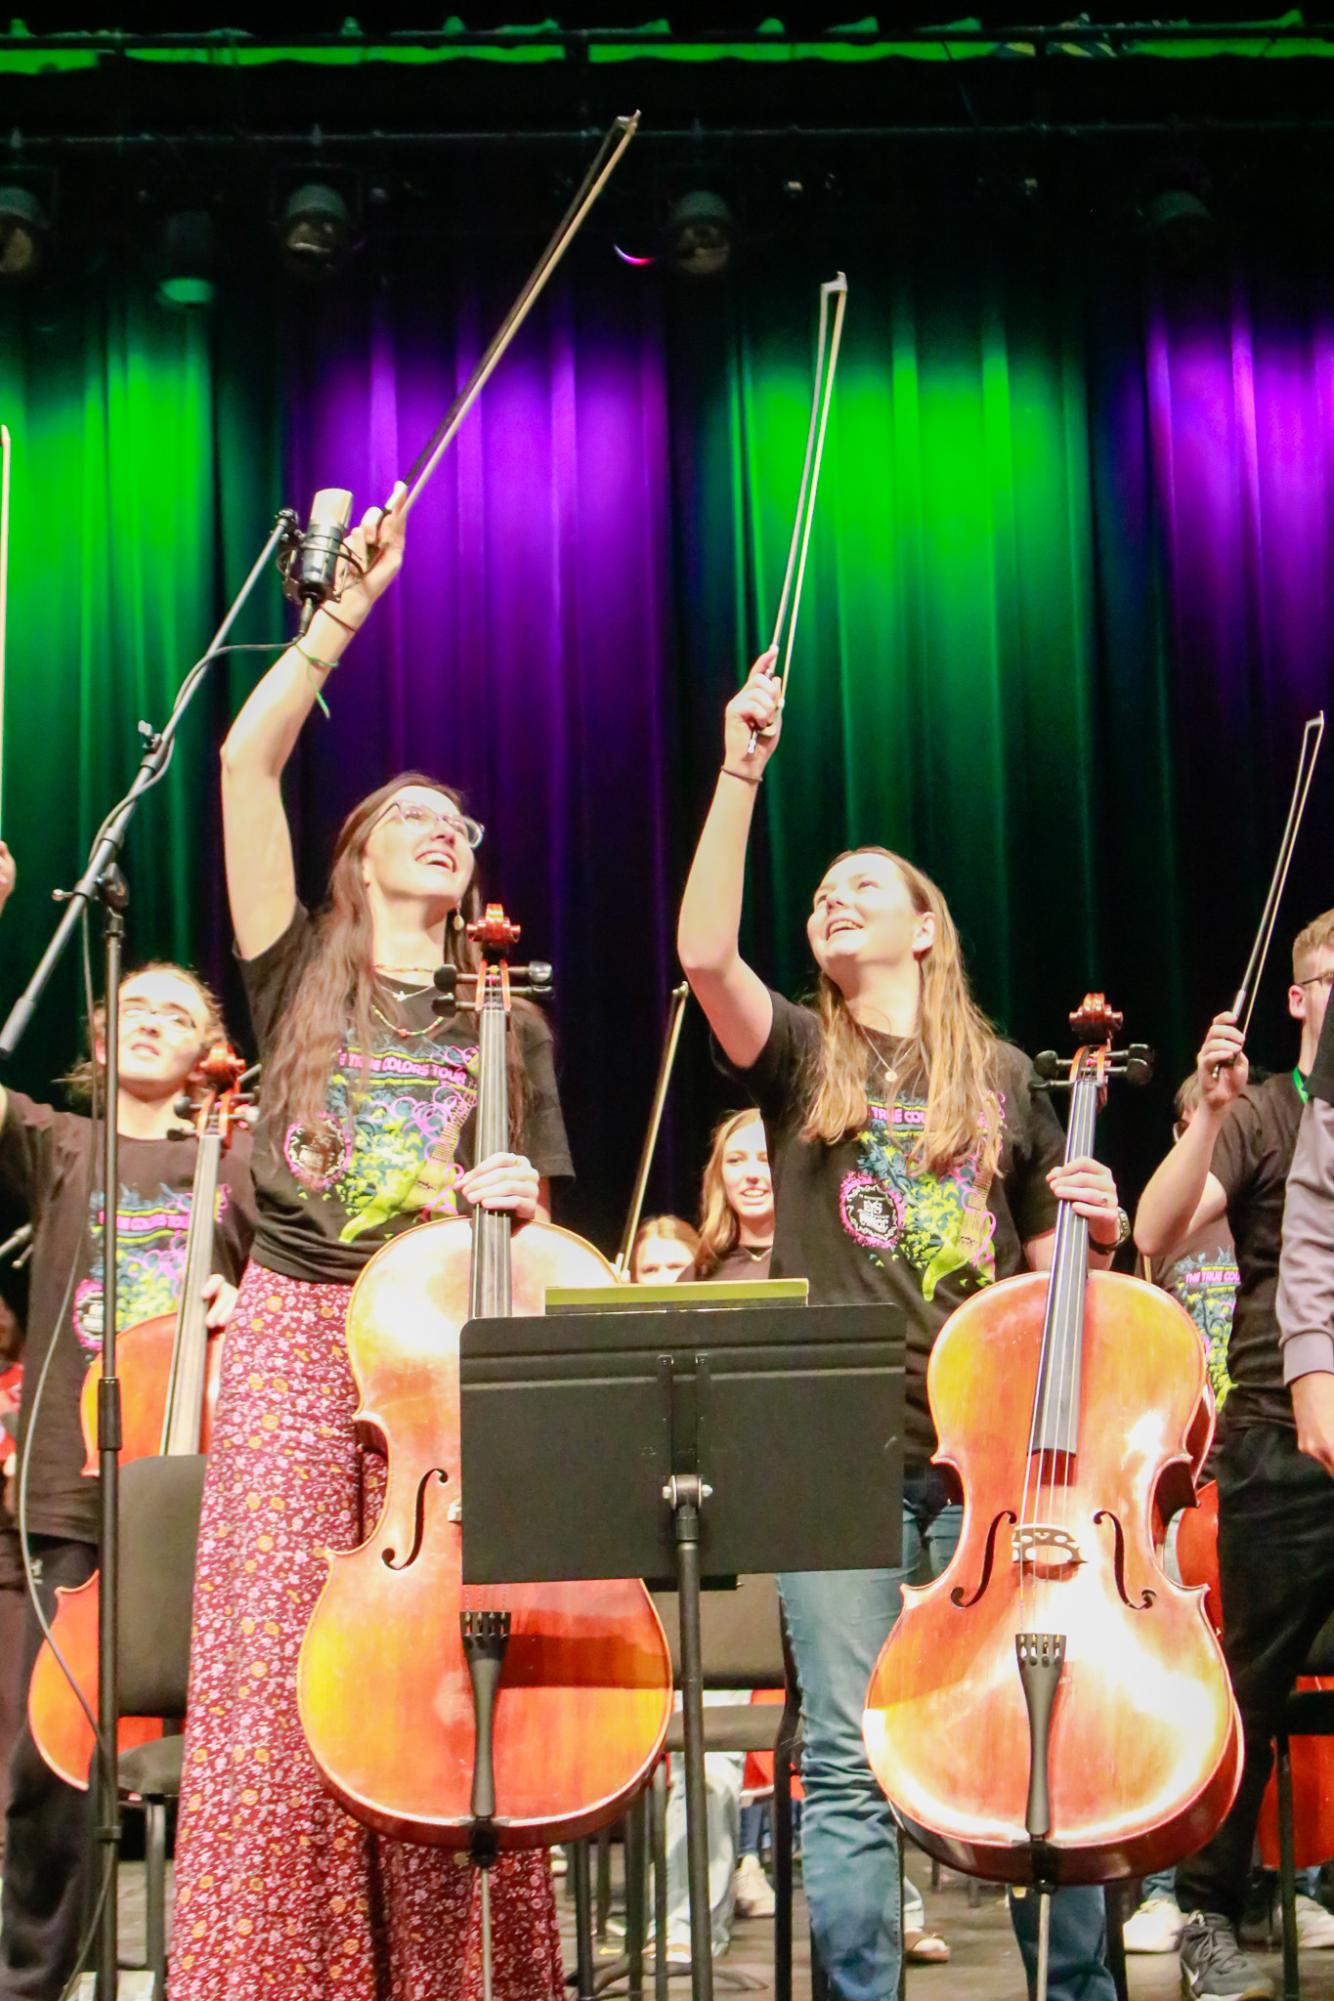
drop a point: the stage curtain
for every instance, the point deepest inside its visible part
(1065, 612)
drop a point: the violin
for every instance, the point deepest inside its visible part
(168, 1369)
(1052, 1708)
(579, 1713)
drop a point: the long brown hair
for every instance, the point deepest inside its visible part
(951, 1053)
(333, 1000)
(79, 1080)
(719, 1229)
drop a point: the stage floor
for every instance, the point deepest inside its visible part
(983, 1966)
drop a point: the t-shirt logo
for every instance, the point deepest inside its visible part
(151, 1232)
(937, 1224)
(388, 1150)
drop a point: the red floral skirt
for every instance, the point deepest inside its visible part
(278, 1890)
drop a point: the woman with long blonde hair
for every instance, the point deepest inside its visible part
(736, 1201)
(366, 1129)
(915, 1159)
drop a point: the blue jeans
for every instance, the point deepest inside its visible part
(839, 1620)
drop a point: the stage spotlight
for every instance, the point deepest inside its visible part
(700, 234)
(316, 232)
(1178, 224)
(186, 260)
(24, 227)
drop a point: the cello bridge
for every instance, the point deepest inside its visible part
(1045, 1547)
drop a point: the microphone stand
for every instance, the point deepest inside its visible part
(103, 883)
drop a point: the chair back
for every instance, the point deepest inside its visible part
(159, 1531)
(741, 1642)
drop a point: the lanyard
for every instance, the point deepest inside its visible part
(1300, 1082)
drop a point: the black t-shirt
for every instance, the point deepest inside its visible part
(856, 1221)
(44, 1172)
(391, 1145)
(1201, 1275)
(740, 1264)
(1251, 1158)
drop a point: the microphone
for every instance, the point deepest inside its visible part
(314, 562)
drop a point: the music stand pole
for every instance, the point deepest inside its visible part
(697, 1444)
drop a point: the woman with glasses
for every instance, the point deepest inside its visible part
(366, 1129)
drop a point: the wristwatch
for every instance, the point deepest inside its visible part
(1122, 1234)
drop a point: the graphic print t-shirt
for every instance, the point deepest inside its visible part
(858, 1222)
(1251, 1158)
(44, 1172)
(396, 1134)
(1202, 1275)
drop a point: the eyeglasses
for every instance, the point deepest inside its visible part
(133, 1013)
(422, 820)
(1317, 979)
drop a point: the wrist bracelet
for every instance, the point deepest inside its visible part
(311, 664)
(728, 772)
(329, 612)
(328, 666)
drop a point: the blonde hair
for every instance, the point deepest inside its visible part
(951, 1053)
(672, 1230)
(79, 1080)
(1318, 936)
(719, 1229)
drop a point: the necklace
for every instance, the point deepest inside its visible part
(890, 1074)
(406, 1034)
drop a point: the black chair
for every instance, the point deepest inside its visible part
(1308, 1713)
(159, 1531)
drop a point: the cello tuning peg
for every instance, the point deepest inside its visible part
(1139, 1063)
(184, 1107)
(539, 977)
(1051, 1068)
(447, 980)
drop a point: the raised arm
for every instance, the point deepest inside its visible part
(1183, 1196)
(734, 998)
(261, 876)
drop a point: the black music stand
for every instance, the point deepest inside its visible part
(686, 1448)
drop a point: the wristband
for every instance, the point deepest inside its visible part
(745, 779)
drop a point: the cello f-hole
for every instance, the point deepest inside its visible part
(957, 1597)
(389, 1556)
(1147, 1597)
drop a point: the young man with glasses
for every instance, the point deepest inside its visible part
(1233, 1160)
(50, 1176)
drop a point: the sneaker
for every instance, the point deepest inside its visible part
(1213, 1966)
(1315, 1926)
(1155, 1927)
(752, 1889)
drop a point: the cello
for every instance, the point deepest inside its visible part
(411, 1686)
(169, 1375)
(1052, 1709)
